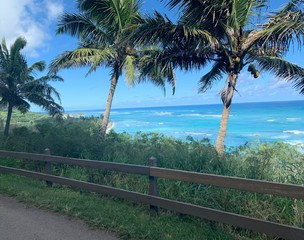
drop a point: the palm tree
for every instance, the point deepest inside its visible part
(228, 33)
(18, 85)
(103, 28)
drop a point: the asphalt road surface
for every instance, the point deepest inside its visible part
(19, 222)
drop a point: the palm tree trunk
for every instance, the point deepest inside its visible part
(8, 119)
(105, 120)
(220, 141)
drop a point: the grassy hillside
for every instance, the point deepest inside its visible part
(19, 119)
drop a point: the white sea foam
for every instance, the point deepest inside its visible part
(255, 134)
(271, 120)
(200, 115)
(161, 123)
(163, 113)
(120, 113)
(293, 119)
(294, 131)
(295, 142)
(198, 134)
(190, 115)
(280, 137)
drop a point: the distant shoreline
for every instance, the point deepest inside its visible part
(73, 115)
(110, 126)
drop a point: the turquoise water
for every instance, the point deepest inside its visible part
(248, 122)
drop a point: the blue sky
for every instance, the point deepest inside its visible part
(36, 20)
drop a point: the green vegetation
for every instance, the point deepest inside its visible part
(230, 35)
(19, 86)
(20, 119)
(81, 138)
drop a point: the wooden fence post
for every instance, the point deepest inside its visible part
(48, 167)
(153, 183)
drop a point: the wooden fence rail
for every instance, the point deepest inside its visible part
(270, 228)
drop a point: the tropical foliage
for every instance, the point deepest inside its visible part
(103, 28)
(230, 34)
(18, 85)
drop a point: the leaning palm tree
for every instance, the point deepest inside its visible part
(233, 35)
(103, 28)
(18, 85)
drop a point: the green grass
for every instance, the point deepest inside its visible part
(18, 119)
(128, 220)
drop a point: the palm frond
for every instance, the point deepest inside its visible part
(286, 27)
(3, 47)
(81, 57)
(216, 73)
(102, 57)
(37, 66)
(17, 46)
(156, 70)
(83, 27)
(184, 46)
(129, 65)
(180, 56)
(244, 11)
(159, 29)
(108, 11)
(50, 77)
(41, 86)
(152, 29)
(207, 14)
(4, 55)
(22, 105)
(112, 15)
(47, 104)
(283, 69)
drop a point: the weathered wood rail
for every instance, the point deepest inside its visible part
(153, 172)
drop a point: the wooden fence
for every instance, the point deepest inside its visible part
(153, 172)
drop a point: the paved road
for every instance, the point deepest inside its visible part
(18, 222)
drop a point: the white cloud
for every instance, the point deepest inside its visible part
(31, 19)
(54, 10)
(277, 84)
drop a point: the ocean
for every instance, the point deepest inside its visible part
(248, 122)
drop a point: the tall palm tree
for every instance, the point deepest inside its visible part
(230, 34)
(103, 28)
(18, 85)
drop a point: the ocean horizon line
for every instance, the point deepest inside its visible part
(177, 106)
